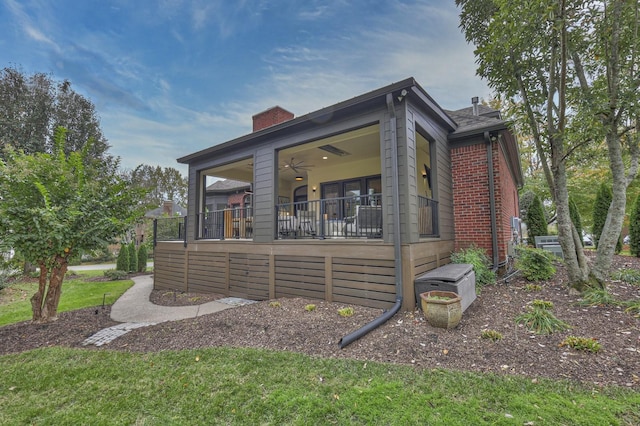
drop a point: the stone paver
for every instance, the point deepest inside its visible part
(107, 335)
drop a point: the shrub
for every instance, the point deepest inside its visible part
(631, 276)
(535, 264)
(115, 274)
(346, 312)
(122, 263)
(597, 297)
(491, 335)
(533, 287)
(133, 257)
(542, 304)
(143, 257)
(5, 276)
(310, 307)
(478, 258)
(633, 308)
(588, 344)
(634, 229)
(574, 213)
(600, 210)
(540, 319)
(536, 221)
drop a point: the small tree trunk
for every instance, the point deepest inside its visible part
(36, 299)
(50, 308)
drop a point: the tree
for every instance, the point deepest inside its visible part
(162, 184)
(33, 107)
(133, 257)
(122, 264)
(571, 66)
(575, 216)
(634, 229)
(535, 220)
(54, 205)
(143, 257)
(600, 209)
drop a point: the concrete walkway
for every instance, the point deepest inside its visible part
(134, 306)
(134, 310)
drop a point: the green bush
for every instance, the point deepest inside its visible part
(536, 221)
(115, 275)
(142, 258)
(634, 229)
(588, 344)
(600, 211)
(122, 264)
(133, 257)
(540, 320)
(597, 297)
(631, 276)
(535, 264)
(574, 213)
(478, 258)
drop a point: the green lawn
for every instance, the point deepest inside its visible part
(250, 386)
(77, 293)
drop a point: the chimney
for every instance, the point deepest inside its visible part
(271, 117)
(474, 102)
(167, 207)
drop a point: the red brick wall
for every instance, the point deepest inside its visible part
(507, 205)
(270, 117)
(472, 212)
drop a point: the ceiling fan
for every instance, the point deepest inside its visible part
(296, 166)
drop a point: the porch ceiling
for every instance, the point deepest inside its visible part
(359, 144)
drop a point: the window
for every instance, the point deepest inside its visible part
(351, 192)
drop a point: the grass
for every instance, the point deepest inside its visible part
(252, 386)
(77, 293)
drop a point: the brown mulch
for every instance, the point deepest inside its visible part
(405, 339)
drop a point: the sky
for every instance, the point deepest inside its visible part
(172, 77)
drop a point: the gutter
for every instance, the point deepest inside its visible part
(397, 248)
(492, 201)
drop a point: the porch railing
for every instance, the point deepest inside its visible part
(345, 217)
(227, 224)
(336, 218)
(170, 229)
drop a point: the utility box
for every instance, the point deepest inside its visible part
(456, 277)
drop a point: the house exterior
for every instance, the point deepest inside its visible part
(349, 203)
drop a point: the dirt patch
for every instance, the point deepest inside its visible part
(405, 339)
(178, 298)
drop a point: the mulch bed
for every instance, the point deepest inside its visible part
(405, 339)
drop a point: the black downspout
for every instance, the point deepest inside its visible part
(492, 201)
(350, 338)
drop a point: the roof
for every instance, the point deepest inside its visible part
(227, 185)
(488, 119)
(353, 106)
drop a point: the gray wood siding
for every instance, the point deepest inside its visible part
(169, 263)
(365, 282)
(264, 194)
(249, 276)
(441, 179)
(353, 273)
(300, 276)
(208, 272)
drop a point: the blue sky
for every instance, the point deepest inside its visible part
(171, 77)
